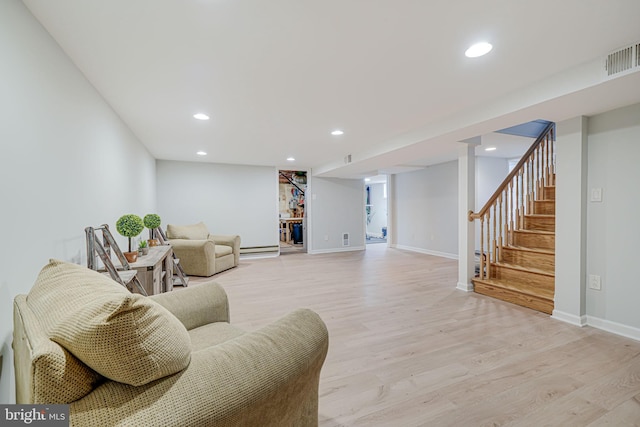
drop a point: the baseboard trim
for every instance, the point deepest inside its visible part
(595, 322)
(426, 251)
(569, 318)
(259, 255)
(614, 327)
(259, 249)
(467, 287)
(334, 250)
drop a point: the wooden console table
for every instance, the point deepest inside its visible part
(155, 270)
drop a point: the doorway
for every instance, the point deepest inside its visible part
(376, 209)
(292, 186)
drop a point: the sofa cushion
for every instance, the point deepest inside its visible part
(197, 231)
(222, 250)
(123, 336)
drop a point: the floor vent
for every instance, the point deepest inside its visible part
(622, 61)
(345, 239)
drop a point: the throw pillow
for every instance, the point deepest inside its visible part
(127, 338)
(123, 336)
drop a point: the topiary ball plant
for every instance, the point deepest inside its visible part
(152, 221)
(129, 226)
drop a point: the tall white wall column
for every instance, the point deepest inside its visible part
(571, 221)
(466, 203)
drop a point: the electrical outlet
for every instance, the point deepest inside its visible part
(596, 194)
(326, 237)
(594, 282)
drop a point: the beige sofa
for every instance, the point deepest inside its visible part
(201, 253)
(122, 359)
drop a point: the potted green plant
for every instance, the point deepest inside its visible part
(129, 226)
(152, 221)
(143, 249)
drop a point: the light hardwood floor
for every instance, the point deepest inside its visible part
(409, 349)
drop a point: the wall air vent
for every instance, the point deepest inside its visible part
(622, 61)
(345, 239)
(347, 159)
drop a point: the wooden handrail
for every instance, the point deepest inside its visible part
(512, 174)
(508, 208)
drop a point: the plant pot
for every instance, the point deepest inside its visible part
(145, 251)
(131, 256)
(153, 242)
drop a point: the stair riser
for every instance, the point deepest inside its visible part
(540, 223)
(546, 262)
(513, 297)
(534, 241)
(522, 277)
(544, 207)
(549, 193)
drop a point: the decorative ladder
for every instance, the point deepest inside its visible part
(125, 276)
(180, 278)
(517, 231)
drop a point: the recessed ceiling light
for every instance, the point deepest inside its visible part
(337, 132)
(201, 116)
(478, 49)
(201, 153)
(291, 159)
(367, 179)
(490, 149)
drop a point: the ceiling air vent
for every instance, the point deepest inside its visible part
(622, 61)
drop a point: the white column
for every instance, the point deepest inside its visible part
(571, 221)
(466, 203)
(391, 209)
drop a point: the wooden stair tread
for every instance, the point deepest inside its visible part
(523, 289)
(540, 215)
(524, 269)
(522, 230)
(528, 249)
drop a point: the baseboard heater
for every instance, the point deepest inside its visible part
(259, 249)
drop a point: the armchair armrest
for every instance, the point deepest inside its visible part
(196, 256)
(232, 240)
(196, 305)
(268, 378)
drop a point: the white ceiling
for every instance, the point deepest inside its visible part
(277, 76)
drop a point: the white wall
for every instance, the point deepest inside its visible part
(337, 207)
(490, 172)
(67, 162)
(229, 199)
(613, 228)
(425, 208)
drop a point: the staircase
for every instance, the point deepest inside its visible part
(517, 246)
